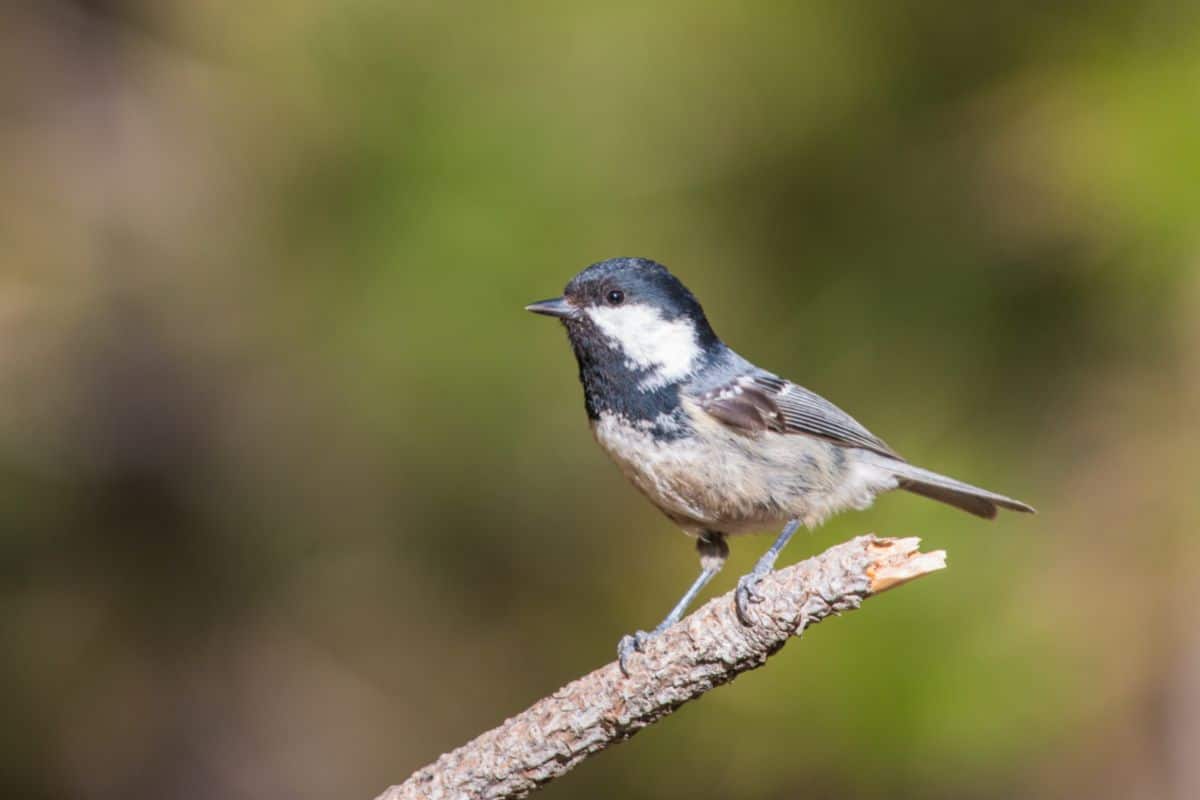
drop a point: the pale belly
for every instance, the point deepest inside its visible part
(720, 480)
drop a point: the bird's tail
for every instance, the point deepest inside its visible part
(971, 499)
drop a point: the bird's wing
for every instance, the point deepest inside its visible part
(760, 401)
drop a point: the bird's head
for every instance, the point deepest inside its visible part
(633, 312)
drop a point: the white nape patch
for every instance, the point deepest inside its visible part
(667, 347)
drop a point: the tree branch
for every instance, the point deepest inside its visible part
(705, 650)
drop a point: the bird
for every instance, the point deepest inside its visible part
(720, 446)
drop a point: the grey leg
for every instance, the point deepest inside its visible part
(713, 552)
(745, 594)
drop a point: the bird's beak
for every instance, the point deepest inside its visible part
(554, 307)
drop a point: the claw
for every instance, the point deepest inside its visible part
(629, 645)
(745, 595)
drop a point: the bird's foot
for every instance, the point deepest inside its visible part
(747, 593)
(629, 645)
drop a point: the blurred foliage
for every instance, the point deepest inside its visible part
(297, 498)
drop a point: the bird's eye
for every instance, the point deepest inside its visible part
(616, 297)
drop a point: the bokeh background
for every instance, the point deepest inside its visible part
(294, 497)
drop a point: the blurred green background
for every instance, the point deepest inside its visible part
(294, 496)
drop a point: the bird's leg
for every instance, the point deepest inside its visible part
(745, 594)
(713, 551)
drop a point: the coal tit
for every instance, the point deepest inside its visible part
(719, 445)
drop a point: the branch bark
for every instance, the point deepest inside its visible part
(708, 648)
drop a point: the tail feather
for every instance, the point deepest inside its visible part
(971, 499)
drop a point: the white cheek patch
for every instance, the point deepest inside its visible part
(666, 347)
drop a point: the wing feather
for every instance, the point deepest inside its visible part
(760, 401)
